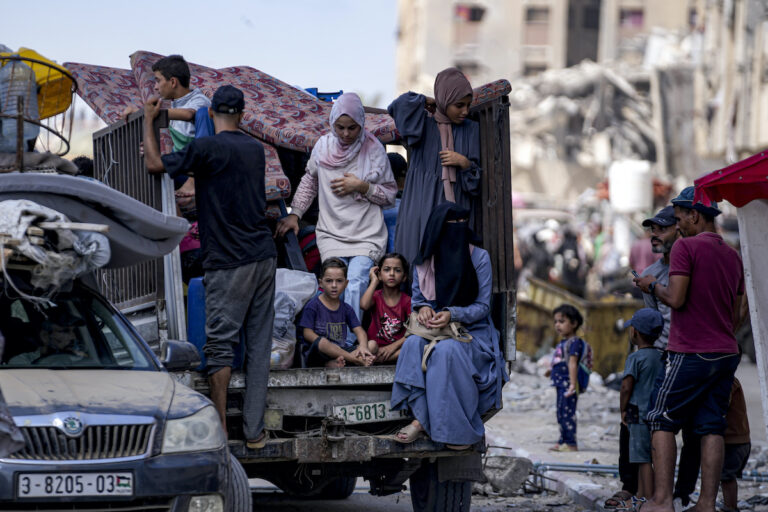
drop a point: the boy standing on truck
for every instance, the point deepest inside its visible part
(172, 83)
(239, 256)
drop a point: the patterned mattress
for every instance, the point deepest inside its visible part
(276, 113)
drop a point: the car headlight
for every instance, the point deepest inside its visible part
(196, 433)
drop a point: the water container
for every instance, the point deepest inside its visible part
(630, 186)
(196, 323)
(390, 220)
(17, 79)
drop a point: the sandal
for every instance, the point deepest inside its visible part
(617, 500)
(458, 447)
(412, 433)
(258, 443)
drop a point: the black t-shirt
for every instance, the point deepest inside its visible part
(230, 195)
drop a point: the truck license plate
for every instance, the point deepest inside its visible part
(43, 485)
(366, 413)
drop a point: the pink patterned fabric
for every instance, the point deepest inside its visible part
(109, 90)
(106, 90)
(274, 111)
(490, 91)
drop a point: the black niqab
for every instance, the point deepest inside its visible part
(455, 277)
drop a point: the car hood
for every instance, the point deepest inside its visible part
(36, 391)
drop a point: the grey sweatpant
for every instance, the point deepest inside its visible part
(242, 298)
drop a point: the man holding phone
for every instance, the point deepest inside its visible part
(662, 227)
(705, 290)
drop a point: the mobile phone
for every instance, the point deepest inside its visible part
(635, 274)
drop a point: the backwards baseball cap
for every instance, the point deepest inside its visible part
(647, 321)
(664, 217)
(685, 200)
(228, 100)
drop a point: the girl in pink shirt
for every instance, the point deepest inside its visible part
(390, 307)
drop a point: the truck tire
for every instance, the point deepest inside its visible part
(428, 494)
(238, 497)
(339, 488)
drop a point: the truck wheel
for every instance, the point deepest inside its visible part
(430, 495)
(339, 488)
(238, 498)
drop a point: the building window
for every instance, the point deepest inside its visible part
(630, 22)
(591, 20)
(536, 26)
(467, 12)
(534, 69)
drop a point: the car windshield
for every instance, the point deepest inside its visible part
(78, 331)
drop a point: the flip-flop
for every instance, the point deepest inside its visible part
(411, 432)
(458, 447)
(617, 500)
(258, 443)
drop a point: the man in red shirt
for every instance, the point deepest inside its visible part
(706, 286)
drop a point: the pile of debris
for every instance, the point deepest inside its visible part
(590, 114)
(43, 241)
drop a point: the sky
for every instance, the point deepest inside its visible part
(332, 45)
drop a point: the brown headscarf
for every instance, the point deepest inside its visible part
(450, 86)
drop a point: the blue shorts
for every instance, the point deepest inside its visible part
(695, 387)
(639, 443)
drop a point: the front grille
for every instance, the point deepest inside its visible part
(143, 505)
(96, 442)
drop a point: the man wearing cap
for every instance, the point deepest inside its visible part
(239, 256)
(663, 236)
(706, 286)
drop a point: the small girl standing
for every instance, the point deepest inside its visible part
(391, 307)
(564, 373)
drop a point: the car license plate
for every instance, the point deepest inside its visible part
(366, 413)
(43, 485)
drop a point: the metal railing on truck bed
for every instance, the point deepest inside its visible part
(153, 286)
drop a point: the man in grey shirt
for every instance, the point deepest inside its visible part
(663, 235)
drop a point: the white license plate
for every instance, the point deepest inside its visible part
(43, 485)
(366, 413)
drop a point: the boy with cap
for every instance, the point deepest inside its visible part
(239, 256)
(706, 286)
(640, 372)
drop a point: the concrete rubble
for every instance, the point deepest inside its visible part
(526, 427)
(590, 114)
(506, 475)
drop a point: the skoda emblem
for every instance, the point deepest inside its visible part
(72, 426)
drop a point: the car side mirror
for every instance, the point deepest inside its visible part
(179, 355)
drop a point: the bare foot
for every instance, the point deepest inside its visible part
(651, 506)
(336, 363)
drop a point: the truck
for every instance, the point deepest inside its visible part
(327, 426)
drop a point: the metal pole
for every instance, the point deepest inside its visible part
(20, 132)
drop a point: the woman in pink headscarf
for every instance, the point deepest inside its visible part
(444, 160)
(349, 172)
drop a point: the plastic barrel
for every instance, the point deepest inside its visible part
(196, 322)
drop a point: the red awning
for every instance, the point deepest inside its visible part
(738, 183)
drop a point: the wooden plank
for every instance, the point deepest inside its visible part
(80, 226)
